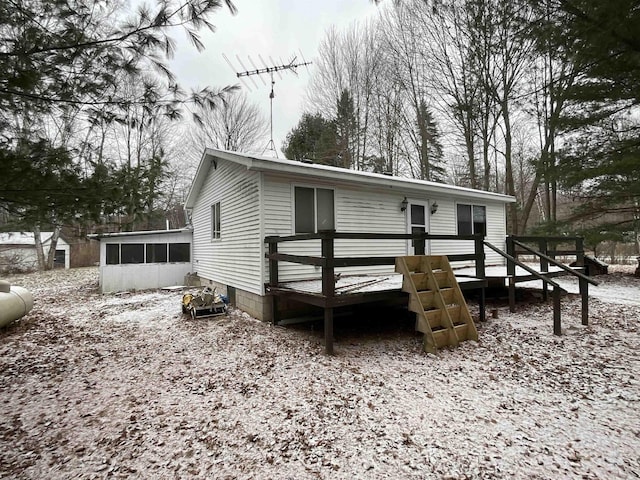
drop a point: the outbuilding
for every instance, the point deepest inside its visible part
(18, 251)
(144, 260)
(237, 200)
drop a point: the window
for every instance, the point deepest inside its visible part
(215, 220)
(179, 252)
(132, 253)
(156, 252)
(314, 210)
(113, 253)
(472, 219)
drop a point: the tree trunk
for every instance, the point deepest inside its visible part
(39, 249)
(51, 255)
(512, 209)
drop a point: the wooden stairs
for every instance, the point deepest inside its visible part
(441, 311)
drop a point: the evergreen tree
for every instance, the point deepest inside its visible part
(600, 163)
(345, 126)
(431, 157)
(315, 139)
(62, 61)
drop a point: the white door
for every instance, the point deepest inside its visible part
(418, 222)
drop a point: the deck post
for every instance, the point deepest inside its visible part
(512, 294)
(511, 273)
(511, 251)
(580, 252)
(584, 293)
(328, 286)
(273, 280)
(480, 273)
(544, 267)
(557, 323)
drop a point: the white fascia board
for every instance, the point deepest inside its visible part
(333, 174)
(98, 236)
(354, 177)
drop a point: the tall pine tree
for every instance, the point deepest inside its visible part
(600, 163)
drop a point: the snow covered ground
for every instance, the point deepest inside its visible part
(124, 386)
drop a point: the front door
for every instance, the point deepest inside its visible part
(418, 222)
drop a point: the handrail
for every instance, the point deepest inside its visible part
(365, 236)
(332, 261)
(560, 239)
(557, 264)
(522, 265)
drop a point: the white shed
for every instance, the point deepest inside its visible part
(18, 251)
(237, 200)
(144, 260)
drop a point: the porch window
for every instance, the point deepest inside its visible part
(215, 221)
(472, 219)
(314, 209)
(156, 252)
(179, 252)
(113, 254)
(132, 253)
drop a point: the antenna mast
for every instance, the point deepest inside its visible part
(292, 65)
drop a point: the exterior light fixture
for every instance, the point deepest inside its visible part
(434, 207)
(403, 204)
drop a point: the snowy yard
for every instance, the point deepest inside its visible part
(125, 387)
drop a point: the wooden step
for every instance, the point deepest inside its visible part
(435, 297)
(422, 263)
(454, 312)
(448, 295)
(420, 281)
(442, 279)
(442, 338)
(462, 331)
(434, 317)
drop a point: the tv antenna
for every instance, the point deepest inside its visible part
(291, 66)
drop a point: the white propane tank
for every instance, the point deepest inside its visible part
(15, 302)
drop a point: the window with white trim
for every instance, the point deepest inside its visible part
(314, 209)
(215, 221)
(472, 219)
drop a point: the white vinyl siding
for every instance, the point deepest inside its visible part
(235, 258)
(444, 222)
(161, 267)
(355, 211)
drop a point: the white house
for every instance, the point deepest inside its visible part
(18, 251)
(237, 200)
(143, 260)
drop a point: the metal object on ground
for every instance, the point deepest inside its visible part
(207, 303)
(15, 302)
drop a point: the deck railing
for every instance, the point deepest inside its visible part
(328, 261)
(548, 247)
(546, 253)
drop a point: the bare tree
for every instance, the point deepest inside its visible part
(348, 61)
(235, 125)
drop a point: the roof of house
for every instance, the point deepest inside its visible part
(98, 236)
(334, 174)
(25, 238)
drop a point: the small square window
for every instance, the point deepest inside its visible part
(113, 253)
(156, 252)
(132, 253)
(472, 219)
(179, 252)
(314, 209)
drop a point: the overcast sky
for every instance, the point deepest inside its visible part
(278, 29)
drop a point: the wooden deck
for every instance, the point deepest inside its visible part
(356, 289)
(333, 290)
